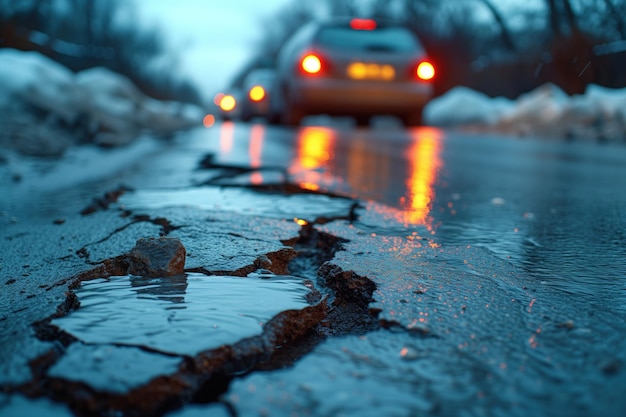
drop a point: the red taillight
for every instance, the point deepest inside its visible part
(311, 64)
(363, 24)
(425, 71)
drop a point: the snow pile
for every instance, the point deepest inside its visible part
(45, 108)
(599, 114)
(462, 106)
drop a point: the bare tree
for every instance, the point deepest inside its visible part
(84, 33)
(507, 38)
(604, 19)
(561, 17)
(619, 14)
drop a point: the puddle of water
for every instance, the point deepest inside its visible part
(185, 315)
(307, 206)
(112, 368)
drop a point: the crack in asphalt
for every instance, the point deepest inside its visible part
(277, 260)
(103, 202)
(338, 305)
(204, 378)
(166, 228)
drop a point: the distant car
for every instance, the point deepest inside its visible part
(257, 87)
(229, 104)
(353, 67)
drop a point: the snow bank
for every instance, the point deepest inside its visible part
(21, 71)
(599, 114)
(461, 106)
(94, 106)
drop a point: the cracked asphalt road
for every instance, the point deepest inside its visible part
(329, 271)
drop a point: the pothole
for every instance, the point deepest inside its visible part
(138, 346)
(192, 349)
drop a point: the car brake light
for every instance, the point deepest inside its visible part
(425, 71)
(363, 24)
(228, 103)
(311, 64)
(256, 93)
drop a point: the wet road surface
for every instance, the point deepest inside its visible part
(477, 274)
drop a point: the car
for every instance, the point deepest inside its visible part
(353, 67)
(257, 87)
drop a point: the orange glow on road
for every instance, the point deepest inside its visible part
(257, 135)
(425, 160)
(256, 178)
(257, 93)
(314, 150)
(227, 133)
(208, 121)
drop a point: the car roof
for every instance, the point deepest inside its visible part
(403, 44)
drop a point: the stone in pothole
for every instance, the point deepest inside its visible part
(157, 257)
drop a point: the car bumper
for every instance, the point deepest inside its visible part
(342, 97)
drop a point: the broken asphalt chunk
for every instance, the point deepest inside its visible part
(157, 257)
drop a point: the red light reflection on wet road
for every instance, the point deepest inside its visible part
(371, 174)
(314, 150)
(425, 163)
(227, 133)
(257, 135)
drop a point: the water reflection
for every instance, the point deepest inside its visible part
(368, 169)
(425, 163)
(257, 134)
(397, 170)
(227, 134)
(217, 310)
(170, 289)
(314, 149)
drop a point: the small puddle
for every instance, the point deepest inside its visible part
(182, 315)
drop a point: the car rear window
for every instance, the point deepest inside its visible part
(381, 39)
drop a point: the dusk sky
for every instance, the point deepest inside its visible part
(213, 38)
